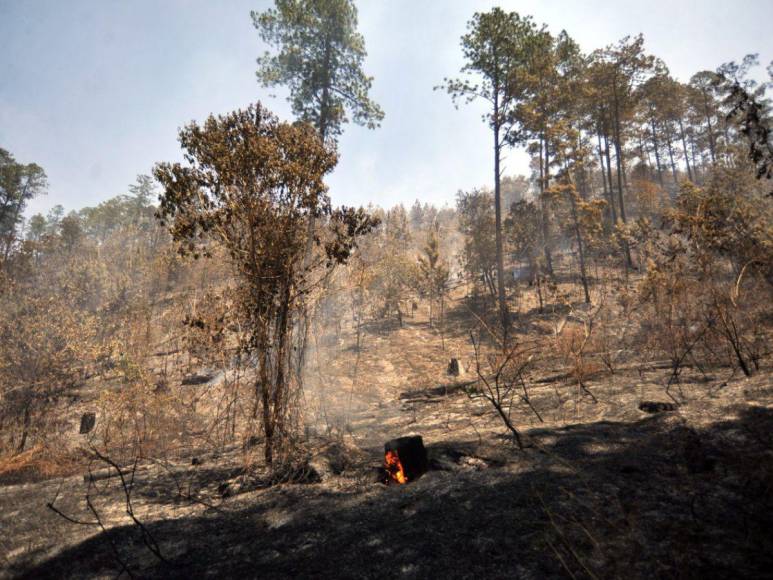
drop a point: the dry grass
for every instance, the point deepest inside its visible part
(602, 489)
(39, 462)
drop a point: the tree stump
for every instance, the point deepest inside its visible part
(453, 367)
(405, 458)
(88, 420)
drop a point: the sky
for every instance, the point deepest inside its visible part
(95, 91)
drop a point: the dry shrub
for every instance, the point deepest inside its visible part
(501, 380)
(650, 198)
(698, 313)
(577, 346)
(580, 347)
(40, 461)
(137, 418)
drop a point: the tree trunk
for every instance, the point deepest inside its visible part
(712, 144)
(25, 428)
(442, 323)
(322, 129)
(539, 288)
(620, 172)
(619, 162)
(607, 193)
(656, 147)
(545, 213)
(644, 156)
(673, 163)
(684, 149)
(580, 249)
(263, 386)
(498, 217)
(280, 392)
(694, 163)
(618, 141)
(609, 178)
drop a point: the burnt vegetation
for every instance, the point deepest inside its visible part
(199, 377)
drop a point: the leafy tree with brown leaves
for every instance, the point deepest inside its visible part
(252, 183)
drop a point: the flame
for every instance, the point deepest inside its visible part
(394, 467)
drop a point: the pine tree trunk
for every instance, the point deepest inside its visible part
(684, 149)
(498, 224)
(673, 163)
(580, 248)
(25, 428)
(545, 216)
(607, 194)
(263, 388)
(609, 178)
(694, 163)
(656, 147)
(712, 144)
(620, 176)
(645, 162)
(619, 163)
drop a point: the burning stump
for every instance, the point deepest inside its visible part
(405, 459)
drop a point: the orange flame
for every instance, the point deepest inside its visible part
(394, 467)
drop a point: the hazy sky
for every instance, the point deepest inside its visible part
(94, 91)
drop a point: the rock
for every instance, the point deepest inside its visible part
(473, 463)
(88, 420)
(656, 407)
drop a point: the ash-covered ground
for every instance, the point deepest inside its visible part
(602, 489)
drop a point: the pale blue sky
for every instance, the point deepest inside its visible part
(95, 90)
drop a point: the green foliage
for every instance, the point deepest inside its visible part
(497, 49)
(36, 227)
(750, 111)
(19, 183)
(434, 271)
(524, 231)
(476, 222)
(319, 57)
(396, 228)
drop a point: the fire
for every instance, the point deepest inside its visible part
(394, 467)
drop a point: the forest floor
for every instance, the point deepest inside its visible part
(601, 490)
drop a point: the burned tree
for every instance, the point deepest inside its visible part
(252, 184)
